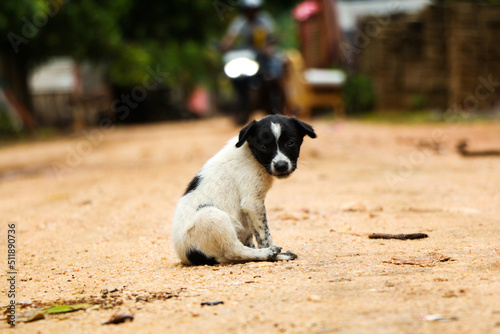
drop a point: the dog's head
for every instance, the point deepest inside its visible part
(275, 142)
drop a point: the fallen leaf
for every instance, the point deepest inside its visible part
(65, 308)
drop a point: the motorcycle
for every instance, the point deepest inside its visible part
(256, 78)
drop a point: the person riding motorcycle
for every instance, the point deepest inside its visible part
(254, 30)
(252, 27)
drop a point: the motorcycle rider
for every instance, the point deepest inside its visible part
(254, 29)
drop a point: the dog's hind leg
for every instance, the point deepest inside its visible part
(249, 242)
(213, 239)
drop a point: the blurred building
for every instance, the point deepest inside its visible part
(324, 25)
(351, 12)
(319, 33)
(66, 94)
(330, 37)
(442, 57)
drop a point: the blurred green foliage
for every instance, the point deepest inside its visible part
(12, 11)
(287, 33)
(128, 35)
(417, 102)
(5, 124)
(358, 94)
(33, 30)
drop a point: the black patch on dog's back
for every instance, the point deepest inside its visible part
(193, 184)
(198, 258)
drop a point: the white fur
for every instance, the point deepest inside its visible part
(234, 184)
(280, 157)
(276, 130)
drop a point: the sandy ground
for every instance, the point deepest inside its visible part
(93, 216)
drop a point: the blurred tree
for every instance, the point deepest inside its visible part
(171, 35)
(281, 6)
(13, 18)
(358, 94)
(129, 36)
(34, 30)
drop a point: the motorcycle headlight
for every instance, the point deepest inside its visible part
(241, 66)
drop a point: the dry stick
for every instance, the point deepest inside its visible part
(410, 236)
(462, 150)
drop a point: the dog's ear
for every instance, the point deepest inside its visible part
(245, 132)
(305, 128)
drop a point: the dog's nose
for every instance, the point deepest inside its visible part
(281, 166)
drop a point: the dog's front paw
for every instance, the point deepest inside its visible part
(286, 256)
(274, 252)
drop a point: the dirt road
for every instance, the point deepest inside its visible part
(92, 218)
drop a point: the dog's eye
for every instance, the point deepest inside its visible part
(290, 143)
(264, 148)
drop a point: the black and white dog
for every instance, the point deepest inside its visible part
(223, 209)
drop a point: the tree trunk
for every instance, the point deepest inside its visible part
(14, 72)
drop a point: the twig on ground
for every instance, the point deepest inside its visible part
(463, 151)
(410, 236)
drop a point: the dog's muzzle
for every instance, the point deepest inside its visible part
(281, 169)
